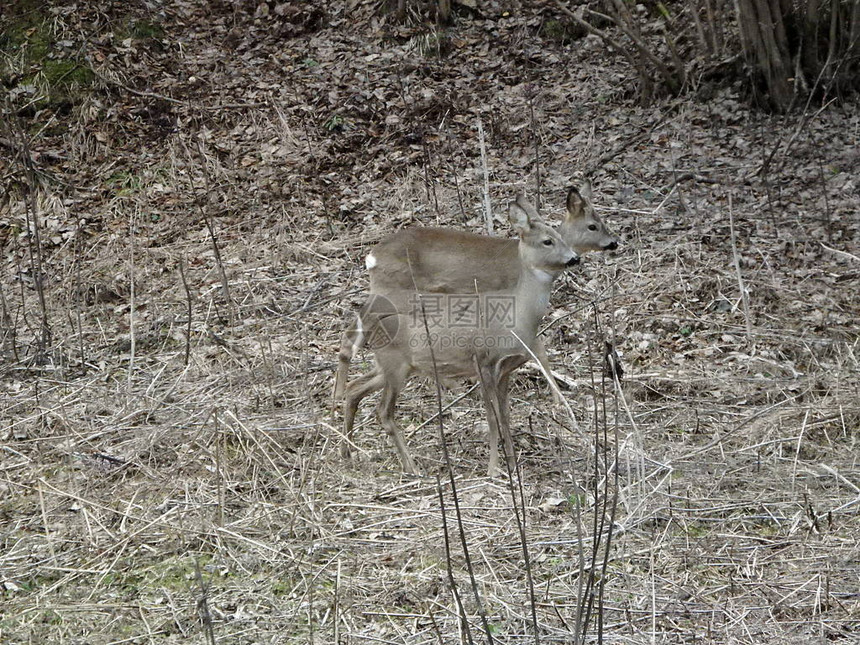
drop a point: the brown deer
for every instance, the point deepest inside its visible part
(448, 261)
(483, 332)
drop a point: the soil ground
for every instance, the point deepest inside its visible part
(168, 478)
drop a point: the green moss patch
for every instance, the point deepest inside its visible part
(41, 70)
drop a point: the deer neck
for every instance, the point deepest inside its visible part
(532, 298)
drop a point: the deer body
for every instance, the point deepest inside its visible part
(442, 260)
(462, 335)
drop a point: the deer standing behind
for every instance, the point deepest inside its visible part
(471, 334)
(444, 260)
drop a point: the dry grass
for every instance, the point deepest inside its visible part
(737, 509)
(149, 501)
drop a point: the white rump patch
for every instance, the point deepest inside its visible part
(370, 262)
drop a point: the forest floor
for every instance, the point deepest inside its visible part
(168, 478)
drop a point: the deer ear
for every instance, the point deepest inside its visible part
(519, 216)
(575, 204)
(585, 190)
(528, 207)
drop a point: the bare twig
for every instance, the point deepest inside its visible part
(449, 563)
(518, 503)
(47, 525)
(131, 303)
(845, 254)
(170, 99)
(225, 283)
(536, 139)
(488, 212)
(188, 310)
(79, 291)
(457, 512)
(463, 215)
(34, 240)
(428, 178)
(737, 265)
(203, 603)
(8, 345)
(827, 214)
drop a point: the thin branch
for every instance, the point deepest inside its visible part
(741, 286)
(188, 301)
(488, 212)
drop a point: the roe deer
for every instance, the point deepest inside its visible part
(448, 261)
(470, 334)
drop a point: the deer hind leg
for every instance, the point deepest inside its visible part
(375, 327)
(350, 342)
(394, 380)
(354, 392)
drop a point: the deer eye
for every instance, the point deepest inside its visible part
(547, 242)
(592, 227)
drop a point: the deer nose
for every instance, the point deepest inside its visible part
(612, 245)
(572, 261)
